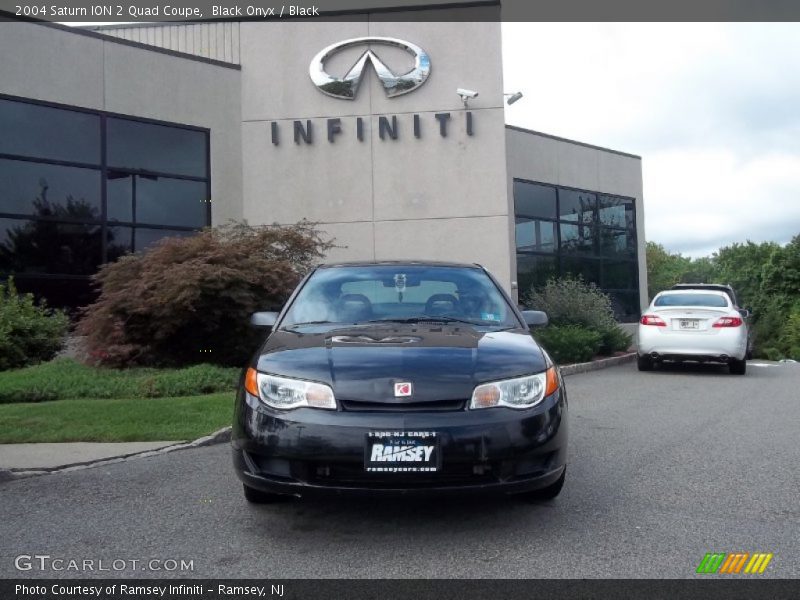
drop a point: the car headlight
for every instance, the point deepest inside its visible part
(285, 393)
(520, 392)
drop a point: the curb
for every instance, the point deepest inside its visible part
(224, 435)
(596, 365)
(218, 437)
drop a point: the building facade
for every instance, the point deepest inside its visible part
(123, 135)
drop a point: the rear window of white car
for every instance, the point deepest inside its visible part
(708, 300)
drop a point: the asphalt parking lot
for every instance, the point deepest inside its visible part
(664, 467)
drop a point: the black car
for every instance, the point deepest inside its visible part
(400, 377)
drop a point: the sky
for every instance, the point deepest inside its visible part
(713, 109)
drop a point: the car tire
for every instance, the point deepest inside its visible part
(738, 367)
(254, 496)
(549, 492)
(645, 363)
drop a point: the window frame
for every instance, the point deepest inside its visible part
(599, 259)
(104, 169)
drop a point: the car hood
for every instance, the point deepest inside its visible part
(362, 363)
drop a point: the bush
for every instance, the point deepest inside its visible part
(188, 300)
(614, 339)
(569, 343)
(573, 302)
(768, 322)
(29, 332)
(65, 378)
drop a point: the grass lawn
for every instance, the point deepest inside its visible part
(65, 378)
(115, 420)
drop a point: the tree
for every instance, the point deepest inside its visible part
(663, 268)
(188, 300)
(742, 265)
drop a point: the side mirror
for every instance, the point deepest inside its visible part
(535, 318)
(744, 312)
(263, 320)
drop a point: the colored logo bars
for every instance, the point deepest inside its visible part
(732, 563)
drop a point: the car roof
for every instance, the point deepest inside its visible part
(692, 291)
(702, 286)
(409, 263)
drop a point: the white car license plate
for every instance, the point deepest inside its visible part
(689, 324)
(401, 452)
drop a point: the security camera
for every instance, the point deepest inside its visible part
(466, 94)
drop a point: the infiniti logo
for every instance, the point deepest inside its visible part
(347, 87)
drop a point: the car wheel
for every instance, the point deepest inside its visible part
(645, 363)
(255, 496)
(549, 492)
(738, 367)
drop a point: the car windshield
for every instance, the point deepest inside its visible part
(400, 293)
(709, 300)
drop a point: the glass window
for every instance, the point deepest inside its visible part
(53, 232)
(164, 201)
(577, 239)
(620, 275)
(119, 241)
(119, 196)
(43, 190)
(682, 299)
(159, 200)
(533, 271)
(625, 306)
(587, 268)
(575, 206)
(28, 246)
(159, 148)
(399, 292)
(617, 242)
(144, 237)
(52, 133)
(616, 212)
(532, 200)
(535, 236)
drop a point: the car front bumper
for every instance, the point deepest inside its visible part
(308, 452)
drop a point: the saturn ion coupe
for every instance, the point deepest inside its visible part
(693, 325)
(399, 378)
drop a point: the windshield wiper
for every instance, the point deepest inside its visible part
(310, 323)
(432, 319)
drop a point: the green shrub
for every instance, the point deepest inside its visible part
(189, 300)
(776, 330)
(569, 343)
(66, 378)
(571, 301)
(614, 339)
(29, 332)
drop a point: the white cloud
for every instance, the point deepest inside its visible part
(712, 109)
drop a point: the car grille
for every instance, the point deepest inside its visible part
(435, 406)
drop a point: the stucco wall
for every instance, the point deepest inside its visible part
(430, 197)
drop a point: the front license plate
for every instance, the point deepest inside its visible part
(690, 324)
(401, 451)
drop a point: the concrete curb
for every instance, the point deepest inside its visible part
(224, 435)
(218, 437)
(596, 365)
